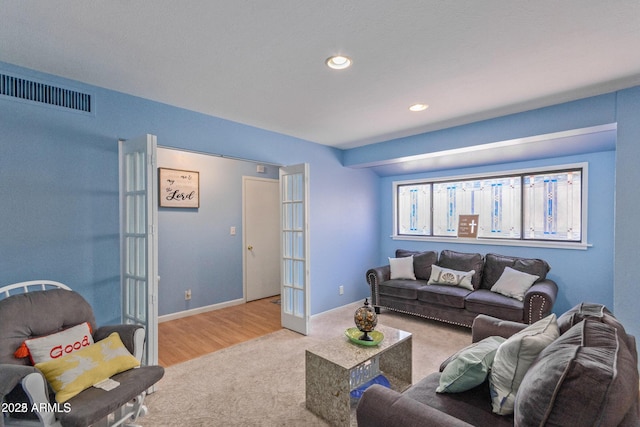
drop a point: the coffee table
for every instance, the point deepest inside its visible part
(338, 366)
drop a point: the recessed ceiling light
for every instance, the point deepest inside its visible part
(418, 107)
(338, 62)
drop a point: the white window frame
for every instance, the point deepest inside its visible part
(583, 245)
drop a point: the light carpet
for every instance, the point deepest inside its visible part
(262, 382)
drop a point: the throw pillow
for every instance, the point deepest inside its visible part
(75, 372)
(445, 276)
(514, 283)
(402, 268)
(469, 367)
(588, 376)
(53, 346)
(514, 357)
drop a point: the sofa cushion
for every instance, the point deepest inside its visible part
(422, 262)
(513, 359)
(401, 268)
(94, 403)
(462, 261)
(406, 289)
(494, 266)
(75, 372)
(586, 377)
(585, 310)
(513, 283)
(483, 301)
(449, 296)
(469, 367)
(472, 406)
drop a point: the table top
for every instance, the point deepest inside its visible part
(343, 352)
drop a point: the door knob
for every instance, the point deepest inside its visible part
(250, 247)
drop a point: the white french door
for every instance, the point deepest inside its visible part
(294, 195)
(139, 239)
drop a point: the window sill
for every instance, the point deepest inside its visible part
(497, 242)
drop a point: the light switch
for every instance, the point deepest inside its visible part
(232, 231)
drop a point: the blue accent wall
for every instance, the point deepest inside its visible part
(59, 194)
(590, 282)
(627, 226)
(605, 273)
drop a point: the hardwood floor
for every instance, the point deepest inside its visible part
(189, 337)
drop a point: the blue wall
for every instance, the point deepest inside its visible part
(195, 248)
(627, 226)
(59, 192)
(590, 282)
(613, 229)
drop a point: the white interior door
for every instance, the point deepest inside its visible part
(294, 196)
(261, 237)
(139, 239)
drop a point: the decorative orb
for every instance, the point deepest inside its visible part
(366, 320)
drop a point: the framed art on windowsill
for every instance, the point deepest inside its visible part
(178, 188)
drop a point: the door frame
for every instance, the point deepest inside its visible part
(245, 240)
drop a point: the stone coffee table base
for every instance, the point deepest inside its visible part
(330, 370)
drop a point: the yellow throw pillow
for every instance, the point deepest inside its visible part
(75, 372)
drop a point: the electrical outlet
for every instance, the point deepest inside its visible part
(341, 290)
(187, 295)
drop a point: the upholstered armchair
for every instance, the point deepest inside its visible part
(52, 383)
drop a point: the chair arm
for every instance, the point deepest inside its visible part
(375, 276)
(487, 326)
(132, 336)
(383, 407)
(34, 386)
(539, 300)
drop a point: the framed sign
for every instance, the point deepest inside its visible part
(468, 226)
(178, 188)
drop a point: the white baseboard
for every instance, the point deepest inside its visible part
(356, 304)
(191, 312)
(186, 313)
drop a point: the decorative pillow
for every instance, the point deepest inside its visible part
(402, 268)
(75, 372)
(49, 347)
(445, 276)
(513, 359)
(514, 283)
(469, 367)
(587, 376)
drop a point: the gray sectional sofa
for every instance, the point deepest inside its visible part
(461, 304)
(586, 376)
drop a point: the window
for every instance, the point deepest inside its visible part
(414, 204)
(532, 205)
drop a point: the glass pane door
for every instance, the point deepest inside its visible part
(294, 248)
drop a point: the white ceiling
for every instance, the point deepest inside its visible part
(261, 63)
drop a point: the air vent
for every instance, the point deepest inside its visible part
(30, 90)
